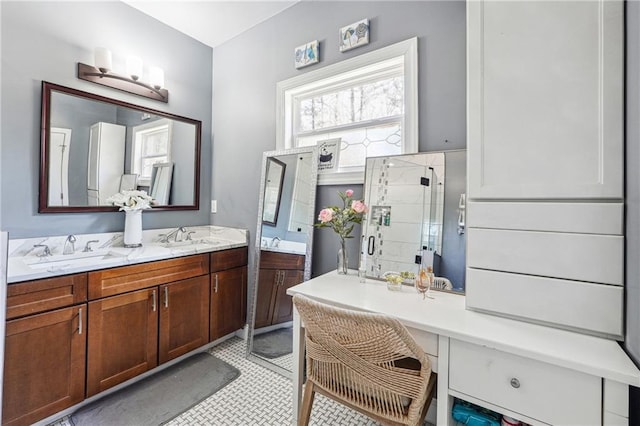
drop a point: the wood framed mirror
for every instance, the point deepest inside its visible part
(274, 179)
(89, 143)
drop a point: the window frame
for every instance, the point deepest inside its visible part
(287, 90)
(135, 161)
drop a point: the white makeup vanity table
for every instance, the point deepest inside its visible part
(537, 374)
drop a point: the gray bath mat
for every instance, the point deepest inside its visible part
(274, 344)
(161, 397)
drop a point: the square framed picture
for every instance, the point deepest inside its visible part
(354, 35)
(329, 155)
(306, 54)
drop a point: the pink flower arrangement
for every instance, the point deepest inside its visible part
(342, 219)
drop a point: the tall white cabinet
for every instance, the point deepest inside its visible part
(545, 162)
(106, 161)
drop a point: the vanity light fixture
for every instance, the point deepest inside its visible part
(102, 74)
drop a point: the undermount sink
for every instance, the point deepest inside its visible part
(284, 246)
(191, 243)
(61, 261)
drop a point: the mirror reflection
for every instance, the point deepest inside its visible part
(282, 252)
(273, 190)
(416, 214)
(92, 145)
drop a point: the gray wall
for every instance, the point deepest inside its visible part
(452, 264)
(632, 221)
(44, 41)
(248, 67)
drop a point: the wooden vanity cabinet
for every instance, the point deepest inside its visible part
(228, 310)
(132, 332)
(278, 272)
(184, 317)
(123, 338)
(44, 360)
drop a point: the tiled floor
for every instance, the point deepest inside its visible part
(257, 397)
(260, 397)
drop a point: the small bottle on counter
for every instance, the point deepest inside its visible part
(387, 218)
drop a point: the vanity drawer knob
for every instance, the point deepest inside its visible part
(515, 383)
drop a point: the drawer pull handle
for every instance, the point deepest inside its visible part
(166, 297)
(515, 383)
(80, 321)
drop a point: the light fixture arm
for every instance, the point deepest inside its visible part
(120, 82)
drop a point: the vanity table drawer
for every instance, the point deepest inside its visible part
(109, 282)
(33, 297)
(542, 391)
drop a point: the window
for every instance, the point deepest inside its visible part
(368, 103)
(151, 144)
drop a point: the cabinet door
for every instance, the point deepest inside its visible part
(545, 99)
(264, 299)
(228, 301)
(282, 304)
(184, 317)
(44, 364)
(122, 338)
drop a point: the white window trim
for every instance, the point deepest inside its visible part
(134, 145)
(285, 91)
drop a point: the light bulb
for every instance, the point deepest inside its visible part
(156, 77)
(134, 67)
(102, 59)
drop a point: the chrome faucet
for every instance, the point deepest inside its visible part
(69, 245)
(275, 241)
(176, 234)
(46, 252)
(87, 247)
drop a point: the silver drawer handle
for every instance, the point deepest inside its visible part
(515, 383)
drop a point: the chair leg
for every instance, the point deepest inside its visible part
(307, 404)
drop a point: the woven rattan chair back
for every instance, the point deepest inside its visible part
(366, 361)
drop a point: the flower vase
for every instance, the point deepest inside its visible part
(343, 261)
(133, 228)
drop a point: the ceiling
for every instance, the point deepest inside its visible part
(211, 22)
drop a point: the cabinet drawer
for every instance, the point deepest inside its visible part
(272, 260)
(32, 297)
(114, 281)
(542, 391)
(228, 259)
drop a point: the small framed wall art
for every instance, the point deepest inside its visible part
(306, 54)
(354, 35)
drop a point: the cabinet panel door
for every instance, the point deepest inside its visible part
(122, 338)
(266, 293)
(283, 305)
(44, 365)
(545, 100)
(228, 301)
(184, 317)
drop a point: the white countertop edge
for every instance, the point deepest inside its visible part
(219, 238)
(446, 315)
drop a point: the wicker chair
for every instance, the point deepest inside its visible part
(366, 361)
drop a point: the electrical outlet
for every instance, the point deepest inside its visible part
(214, 206)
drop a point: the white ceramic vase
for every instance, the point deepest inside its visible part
(133, 228)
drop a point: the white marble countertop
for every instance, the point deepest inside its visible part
(25, 264)
(446, 315)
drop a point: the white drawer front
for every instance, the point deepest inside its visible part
(583, 257)
(542, 391)
(585, 218)
(594, 308)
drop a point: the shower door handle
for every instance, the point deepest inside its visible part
(371, 245)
